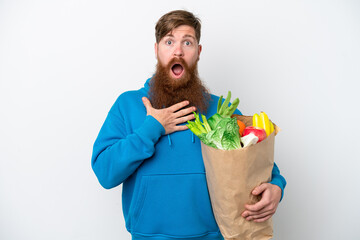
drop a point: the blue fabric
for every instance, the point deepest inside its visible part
(164, 193)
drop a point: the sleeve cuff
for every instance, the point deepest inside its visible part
(280, 183)
(151, 129)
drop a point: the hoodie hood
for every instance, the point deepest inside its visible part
(146, 87)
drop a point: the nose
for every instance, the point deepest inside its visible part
(178, 52)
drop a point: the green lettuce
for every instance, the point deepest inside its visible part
(220, 130)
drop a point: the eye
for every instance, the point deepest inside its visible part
(187, 43)
(168, 42)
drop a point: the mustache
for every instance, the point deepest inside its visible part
(177, 60)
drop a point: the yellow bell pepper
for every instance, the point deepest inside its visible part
(262, 121)
(271, 127)
(265, 122)
(256, 120)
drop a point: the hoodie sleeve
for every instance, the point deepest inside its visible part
(116, 155)
(278, 180)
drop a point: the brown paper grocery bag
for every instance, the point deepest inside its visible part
(231, 176)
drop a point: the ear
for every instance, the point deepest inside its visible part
(199, 50)
(156, 50)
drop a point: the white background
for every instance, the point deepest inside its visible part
(63, 64)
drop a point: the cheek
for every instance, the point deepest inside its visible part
(164, 58)
(193, 59)
(195, 55)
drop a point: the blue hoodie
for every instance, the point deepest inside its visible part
(164, 194)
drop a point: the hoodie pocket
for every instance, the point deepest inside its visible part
(174, 205)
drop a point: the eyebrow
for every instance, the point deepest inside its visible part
(185, 36)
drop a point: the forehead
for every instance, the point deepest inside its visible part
(182, 31)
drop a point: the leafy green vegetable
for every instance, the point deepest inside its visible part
(223, 110)
(220, 130)
(225, 137)
(214, 120)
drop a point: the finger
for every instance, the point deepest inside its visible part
(147, 103)
(259, 215)
(257, 206)
(178, 106)
(248, 213)
(259, 189)
(181, 128)
(185, 111)
(184, 119)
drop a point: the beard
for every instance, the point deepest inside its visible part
(165, 90)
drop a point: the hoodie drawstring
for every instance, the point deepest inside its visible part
(192, 138)
(169, 139)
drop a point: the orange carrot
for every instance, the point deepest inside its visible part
(241, 127)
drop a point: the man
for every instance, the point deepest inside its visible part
(145, 145)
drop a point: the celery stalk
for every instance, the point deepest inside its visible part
(193, 127)
(219, 103)
(206, 124)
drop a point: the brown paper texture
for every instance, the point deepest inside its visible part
(231, 176)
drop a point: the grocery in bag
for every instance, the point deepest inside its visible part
(233, 171)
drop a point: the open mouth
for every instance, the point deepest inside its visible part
(177, 70)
